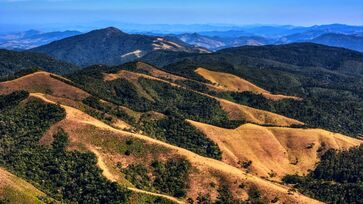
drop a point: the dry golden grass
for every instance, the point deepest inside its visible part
(155, 72)
(18, 191)
(42, 82)
(240, 112)
(275, 150)
(204, 169)
(230, 82)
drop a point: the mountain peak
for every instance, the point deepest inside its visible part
(112, 29)
(109, 31)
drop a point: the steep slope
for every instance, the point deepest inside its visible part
(13, 61)
(230, 82)
(14, 190)
(83, 130)
(275, 151)
(113, 47)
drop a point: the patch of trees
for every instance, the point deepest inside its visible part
(170, 177)
(19, 73)
(225, 196)
(338, 178)
(12, 99)
(175, 130)
(67, 176)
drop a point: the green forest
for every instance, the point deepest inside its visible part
(338, 177)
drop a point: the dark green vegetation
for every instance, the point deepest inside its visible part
(13, 61)
(68, 176)
(175, 130)
(320, 109)
(329, 79)
(338, 178)
(225, 196)
(19, 73)
(170, 177)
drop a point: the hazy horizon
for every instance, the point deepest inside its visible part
(16, 15)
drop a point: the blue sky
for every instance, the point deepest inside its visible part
(48, 13)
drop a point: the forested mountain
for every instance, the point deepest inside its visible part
(109, 46)
(353, 42)
(13, 61)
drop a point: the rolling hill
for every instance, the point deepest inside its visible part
(318, 74)
(13, 61)
(114, 47)
(214, 127)
(87, 133)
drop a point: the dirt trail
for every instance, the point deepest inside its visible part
(101, 164)
(197, 160)
(106, 173)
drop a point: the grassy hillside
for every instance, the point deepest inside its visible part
(115, 149)
(118, 150)
(319, 74)
(274, 152)
(14, 190)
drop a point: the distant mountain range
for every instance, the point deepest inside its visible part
(110, 46)
(269, 123)
(353, 42)
(345, 36)
(219, 42)
(32, 38)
